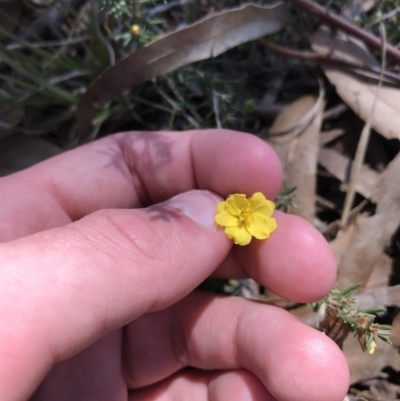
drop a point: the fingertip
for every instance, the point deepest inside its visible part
(296, 262)
(315, 366)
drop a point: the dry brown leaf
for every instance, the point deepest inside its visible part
(386, 296)
(365, 251)
(395, 332)
(329, 136)
(205, 39)
(365, 366)
(298, 151)
(355, 88)
(339, 166)
(341, 242)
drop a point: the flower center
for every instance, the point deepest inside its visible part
(244, 216)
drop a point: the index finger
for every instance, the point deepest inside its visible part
(134, 170)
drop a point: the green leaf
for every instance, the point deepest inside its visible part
(373, 311)
(385, 339)
(347, 319)
(385, 327)
(349, 290)
(56, 91)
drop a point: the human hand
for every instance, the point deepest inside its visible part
(99, 264)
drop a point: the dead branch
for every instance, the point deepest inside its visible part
(339, 22)
(329, 60)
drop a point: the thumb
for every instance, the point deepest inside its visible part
(64, 288)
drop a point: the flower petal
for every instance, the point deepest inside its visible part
(259, 203)
(261, 226)
(372, 347)
(221, 206)
(225, 219)
(235, 203)
(239, 235)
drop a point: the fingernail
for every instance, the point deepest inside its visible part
(200, 206)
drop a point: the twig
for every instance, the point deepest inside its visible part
(175, 105)
(338, 22)
(335, 111)
(325, 202)
(335, 225)
(363, 142)
(180, 97)
(162, 8)
(384, 17)
(216, 109)
(329, 60)
(139, 99)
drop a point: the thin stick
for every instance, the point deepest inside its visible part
(330, 60)
(363, 142)
(216, 109)
(175, 105)
(336, 21)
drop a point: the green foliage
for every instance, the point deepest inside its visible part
(361, 321)
(117, 8)
(286, 200)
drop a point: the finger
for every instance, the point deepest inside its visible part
(205, 386)
(95, 371)
(209, 332)
(132, 170)
(295, 262)
(62, 289)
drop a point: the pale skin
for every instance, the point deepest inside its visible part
(99, 269)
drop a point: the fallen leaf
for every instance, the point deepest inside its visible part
(341, 242)
(202, 40)
(395, 332)
(298, 150)
(340, 166)
(365, 366)
(329, 136)
(385, 296)
(365, 251)
(356, 88)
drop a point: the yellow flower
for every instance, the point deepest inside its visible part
(246, 218)
(135, 30)
(372, 347)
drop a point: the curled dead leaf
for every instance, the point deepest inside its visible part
(357, 88)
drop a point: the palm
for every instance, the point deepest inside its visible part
(98, 370)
